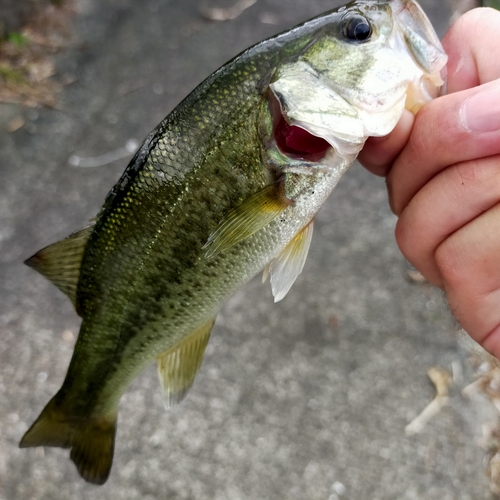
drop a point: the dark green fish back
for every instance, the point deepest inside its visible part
(144, 270)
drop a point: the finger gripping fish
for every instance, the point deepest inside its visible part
(228, 184)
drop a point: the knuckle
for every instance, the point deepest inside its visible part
(405, 239)
(433, 126)
(425, 127)
(481, 176)
(451, 266)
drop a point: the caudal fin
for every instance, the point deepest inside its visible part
(91, 440)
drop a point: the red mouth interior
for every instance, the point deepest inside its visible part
(296, 141)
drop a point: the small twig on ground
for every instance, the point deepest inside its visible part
(488, 384)
(224, 14)
(442, 381)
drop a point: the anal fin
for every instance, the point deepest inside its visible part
(285, 268)
(60, 262)
(253, 214)
(178, 366)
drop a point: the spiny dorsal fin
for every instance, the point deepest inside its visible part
(178, 366)
(285, 268)
(252, 215)
(91, 440)
(60, 262)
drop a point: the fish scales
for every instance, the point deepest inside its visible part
(228, 184)
(182, 196)
(150, 258)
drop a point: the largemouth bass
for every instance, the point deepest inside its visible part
(227, 185)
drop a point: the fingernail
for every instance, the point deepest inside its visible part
(481, 112)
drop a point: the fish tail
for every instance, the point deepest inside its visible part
(91, 440)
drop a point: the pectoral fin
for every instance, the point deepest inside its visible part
(285, 268)
(265, 273)
(60, 262)
(178, 366)
(252, 215)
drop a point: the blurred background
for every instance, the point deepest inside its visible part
(318, 397)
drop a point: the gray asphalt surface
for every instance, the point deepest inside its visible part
(305, 399)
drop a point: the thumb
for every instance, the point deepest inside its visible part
(379, 153)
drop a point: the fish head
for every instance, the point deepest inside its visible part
(361, 66)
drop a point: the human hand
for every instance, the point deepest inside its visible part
(443, 176)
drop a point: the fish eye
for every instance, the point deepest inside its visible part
(357, 29)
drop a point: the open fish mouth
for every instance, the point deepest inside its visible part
(295, 141)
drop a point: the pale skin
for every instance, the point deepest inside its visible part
(442, 169)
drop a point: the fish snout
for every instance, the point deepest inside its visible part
(419, 37)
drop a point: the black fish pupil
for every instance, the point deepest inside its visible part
(357, 29)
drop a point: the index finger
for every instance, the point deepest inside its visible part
(473, 48)
(442, 136)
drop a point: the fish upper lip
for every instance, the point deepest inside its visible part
(419, 36)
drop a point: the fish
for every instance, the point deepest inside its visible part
(227, 185)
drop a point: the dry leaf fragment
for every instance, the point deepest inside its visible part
(15, 124)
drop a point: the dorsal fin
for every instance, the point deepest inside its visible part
(60, 262)
(178, 366)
